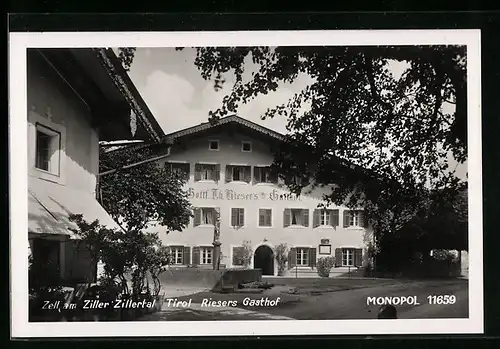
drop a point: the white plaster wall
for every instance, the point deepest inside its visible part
(261, 194)
(52, 102)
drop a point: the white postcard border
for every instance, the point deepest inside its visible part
(19, 171)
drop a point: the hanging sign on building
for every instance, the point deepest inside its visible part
(230, 194)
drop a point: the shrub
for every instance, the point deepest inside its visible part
(243, 256)
(324, 265)
(443, 255)
(133, 253)
(281, 252)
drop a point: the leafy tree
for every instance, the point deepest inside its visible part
(137, 198)
(440, 222)
(145, 195)
(383, 139)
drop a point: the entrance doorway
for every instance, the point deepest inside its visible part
(46, 261)
(264, 259)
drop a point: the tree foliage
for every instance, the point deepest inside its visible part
(384, 140)
(131, 255)
(148, 194)
(281, 252)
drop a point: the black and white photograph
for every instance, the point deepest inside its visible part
(251, 179)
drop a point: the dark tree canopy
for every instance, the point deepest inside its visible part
(394, 134)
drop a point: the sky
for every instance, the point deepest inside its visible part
(179, 97)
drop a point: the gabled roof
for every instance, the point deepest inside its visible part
(228, 120)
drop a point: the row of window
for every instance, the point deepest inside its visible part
(344, 257)
(298, 256)
(214, 145)
(291, 217)
(233, 173)
(181, 255)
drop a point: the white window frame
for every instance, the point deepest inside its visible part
(304, 253)
(258, 217)
(38, 123)
(171, 164)
(242, 146)
(240, 167)
(354, 216)
(325, 217)
(213, 172)
(268, 168)
(210, 141)
(202, 220)
(177, 252)
(231, 217)
(204, 251)
(302, 216)
(350, 252)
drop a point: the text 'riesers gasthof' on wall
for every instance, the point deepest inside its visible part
(229, 194)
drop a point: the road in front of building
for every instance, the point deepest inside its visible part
(352, 303)
(330, 299)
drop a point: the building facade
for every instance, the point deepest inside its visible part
(227, 169)
(70, 96)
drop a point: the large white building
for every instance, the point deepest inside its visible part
(228, 169)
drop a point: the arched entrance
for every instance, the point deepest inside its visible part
(264, 259)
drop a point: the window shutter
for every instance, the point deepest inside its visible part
(316, 218)
(247, 174)
(217, 173)
(229, 174)
(338, 257)
(358, 257)
(334, 218)
(262, 217)
(305, 214)
(214, 215)
(256, 175)
(186, 255)
(234, 217)
(196, 255)
(346, 218)
(286, 217)
(241, 217)
(312, 257)
(268, 216)
(197, 216)
(292, 258)
(197, 172)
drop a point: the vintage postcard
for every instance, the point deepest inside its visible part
(245, 183)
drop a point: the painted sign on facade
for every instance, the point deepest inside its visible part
(230, 194)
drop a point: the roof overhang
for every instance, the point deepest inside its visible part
(117, 107)
(231, 124)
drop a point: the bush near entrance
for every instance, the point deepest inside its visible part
(281, 252)
(324, 265)
(243, 256)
